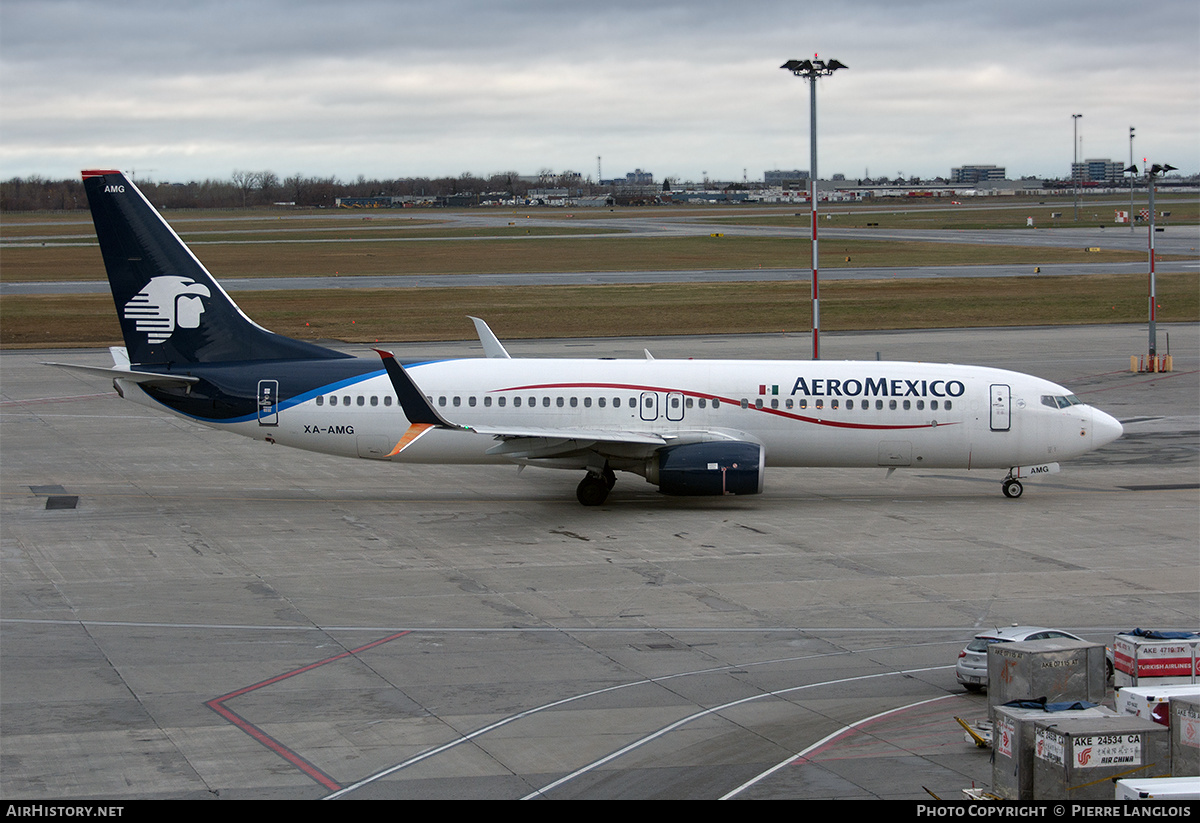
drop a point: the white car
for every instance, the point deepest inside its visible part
(971, 668)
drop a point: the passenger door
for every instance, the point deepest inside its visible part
(1001, 411)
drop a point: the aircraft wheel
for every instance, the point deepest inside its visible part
(1013, 489)
(592, 490)
(610, 477)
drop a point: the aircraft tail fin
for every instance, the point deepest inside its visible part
(171, 310)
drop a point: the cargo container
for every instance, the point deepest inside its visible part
(1053, 671)
(1146, 657)
(1159, 788)
(1185, 736)
(1151, 702)
(1012, 746)
(1078, 759)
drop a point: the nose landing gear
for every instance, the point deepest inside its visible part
(1012, 487)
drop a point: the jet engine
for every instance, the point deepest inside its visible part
(723, 467)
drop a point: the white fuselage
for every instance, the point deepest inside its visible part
(804, 413)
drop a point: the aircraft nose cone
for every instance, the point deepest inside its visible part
(1105, 428)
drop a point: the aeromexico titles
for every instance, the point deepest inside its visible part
(691, 427)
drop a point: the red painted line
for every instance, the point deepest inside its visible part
(217, 704)
(816, 421)
(1162, 375)
(857, 728)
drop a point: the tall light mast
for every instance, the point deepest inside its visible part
(811, 70)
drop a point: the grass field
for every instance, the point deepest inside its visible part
(346, 258)
(233, 244)
(371, 315)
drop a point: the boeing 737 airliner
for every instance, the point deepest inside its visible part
(690, 427)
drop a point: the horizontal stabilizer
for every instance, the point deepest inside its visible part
(145, 378)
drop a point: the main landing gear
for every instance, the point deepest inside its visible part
(593, 489)
(1012, 487)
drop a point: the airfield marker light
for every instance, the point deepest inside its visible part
(811, 70)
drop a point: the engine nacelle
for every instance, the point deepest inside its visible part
(720, 467)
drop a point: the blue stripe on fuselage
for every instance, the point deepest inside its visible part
(228, 392)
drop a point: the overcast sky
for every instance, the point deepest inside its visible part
(387, 88)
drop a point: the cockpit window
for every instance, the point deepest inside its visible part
(1055, 401)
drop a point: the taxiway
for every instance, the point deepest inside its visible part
(187, 614)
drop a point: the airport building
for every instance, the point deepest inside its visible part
(971, 175)
(782, 179)
(1097, 171)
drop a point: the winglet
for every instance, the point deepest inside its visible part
(492, 347)
(416, 408)
(421, 415)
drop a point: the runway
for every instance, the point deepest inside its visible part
(186, 614)
(1177, 241)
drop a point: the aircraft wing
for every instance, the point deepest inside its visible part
(610, 435)
(530, 444)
